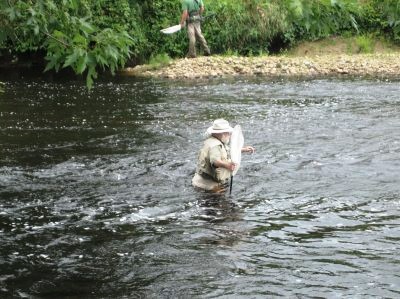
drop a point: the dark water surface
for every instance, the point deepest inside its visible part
(96, 201)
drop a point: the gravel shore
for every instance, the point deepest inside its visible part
(375, 65)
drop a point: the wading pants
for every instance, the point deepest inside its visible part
(194, 31)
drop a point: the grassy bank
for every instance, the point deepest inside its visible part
(363, 44)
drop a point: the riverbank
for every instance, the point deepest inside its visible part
(376, 65)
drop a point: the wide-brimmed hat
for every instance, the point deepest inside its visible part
(220, 126)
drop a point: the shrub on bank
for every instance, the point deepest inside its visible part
(90, 36)
(264, 26)
(84, 35)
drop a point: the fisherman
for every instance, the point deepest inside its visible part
(191, 13)
(214, 165)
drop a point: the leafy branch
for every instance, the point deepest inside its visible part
(67, 34)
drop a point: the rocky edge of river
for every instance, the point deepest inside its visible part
(380, 65)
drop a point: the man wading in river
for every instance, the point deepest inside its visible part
(214, 165)
(191, 13)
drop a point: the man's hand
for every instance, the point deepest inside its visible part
(248, 149)
(227, 165)
(230, 166)
(184, 17)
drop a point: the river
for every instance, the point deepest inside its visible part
(96, 198)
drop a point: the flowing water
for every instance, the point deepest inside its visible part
(96, 198)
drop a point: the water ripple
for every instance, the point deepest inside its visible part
(96, 201)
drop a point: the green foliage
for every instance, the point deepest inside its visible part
(230, 52)
(90, 36)
(365, 44)
(388, 12)
(70, 34)
(159, 61)
(246, 26)
(316, 19)
(156, 15)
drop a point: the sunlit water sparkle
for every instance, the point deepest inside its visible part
(96, 201)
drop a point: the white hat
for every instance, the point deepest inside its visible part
(220, 126)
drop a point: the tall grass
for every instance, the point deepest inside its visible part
(316, 19)
(247, 27)
(389, 12)
(158, 61)
(254, 26)
(365, 44)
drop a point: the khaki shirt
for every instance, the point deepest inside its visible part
(212, 151)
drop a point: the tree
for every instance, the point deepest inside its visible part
(72, 33)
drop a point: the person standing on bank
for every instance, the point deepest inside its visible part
(191, 14)
(214, 165)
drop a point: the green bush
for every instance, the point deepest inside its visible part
(244, 26)
(156, 15)
(95, 35)
(84, 35)
(317, 19)
(388, 12)
(159, 61)
(365, 44)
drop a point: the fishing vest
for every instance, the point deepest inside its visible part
(204, 167)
